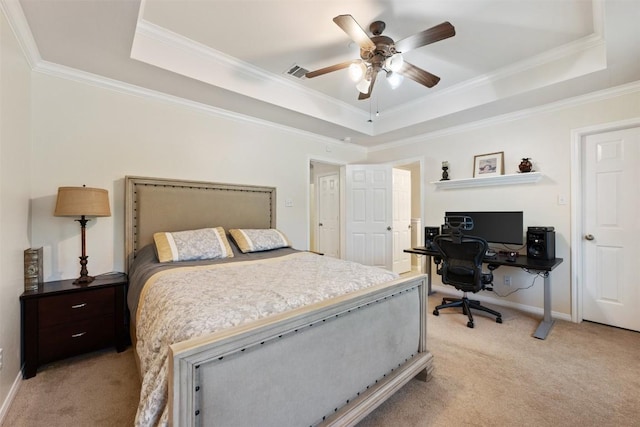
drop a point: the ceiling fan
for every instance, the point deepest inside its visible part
(381, 53)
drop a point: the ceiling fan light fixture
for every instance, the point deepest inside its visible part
(394, 79)
(394, 62)
(363, 85)
(382, 53)
(357, 71)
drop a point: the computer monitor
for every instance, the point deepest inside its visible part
(495, 227)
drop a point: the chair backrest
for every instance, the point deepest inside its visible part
(462, 261)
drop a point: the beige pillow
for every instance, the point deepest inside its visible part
(256, 240)
(206, 243)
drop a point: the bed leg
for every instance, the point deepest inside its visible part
(423, 375)
(427, 373)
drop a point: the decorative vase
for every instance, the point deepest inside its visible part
(525, 165)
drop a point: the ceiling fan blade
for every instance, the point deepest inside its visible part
(329, 69)
(355, 31)
(419, 75)
(431, 35)
(368, 94)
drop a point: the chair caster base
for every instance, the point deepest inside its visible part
(499, 320)
(436, 313)
(470, 325)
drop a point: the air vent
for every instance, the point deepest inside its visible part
(297, 71)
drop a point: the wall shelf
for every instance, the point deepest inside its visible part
(516, 178)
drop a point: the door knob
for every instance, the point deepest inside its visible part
(320, 224)
(389, 228)
(589, 237)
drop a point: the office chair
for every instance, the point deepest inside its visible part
(461, 259)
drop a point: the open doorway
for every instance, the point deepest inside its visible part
(324, 190)
(417, 227)
(326, 213)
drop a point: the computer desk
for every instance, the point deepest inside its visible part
(541, 266)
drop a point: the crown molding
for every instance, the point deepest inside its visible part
(83, 77)
(576, 59)
(20, 27)
(600, 95)
(154, 44)
(173, 52)
(573, 49)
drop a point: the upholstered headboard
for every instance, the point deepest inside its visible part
(156, 204)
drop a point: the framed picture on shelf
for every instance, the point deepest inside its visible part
(488, 164)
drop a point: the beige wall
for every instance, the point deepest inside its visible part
(545, 137)
(14, 202)
(88, 135)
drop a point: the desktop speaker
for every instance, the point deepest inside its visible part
(541, 243)
(429, 234)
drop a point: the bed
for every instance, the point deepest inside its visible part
(309, 353)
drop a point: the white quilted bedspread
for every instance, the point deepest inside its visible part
(187, 302)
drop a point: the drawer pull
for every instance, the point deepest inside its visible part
(78, 335)
(79, 305)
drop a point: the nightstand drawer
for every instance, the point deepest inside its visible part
(75, 306)
(75, 338)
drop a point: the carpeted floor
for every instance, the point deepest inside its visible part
(581, 375)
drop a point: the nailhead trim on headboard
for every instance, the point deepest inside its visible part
(191, 204)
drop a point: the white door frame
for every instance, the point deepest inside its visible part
(577, 137)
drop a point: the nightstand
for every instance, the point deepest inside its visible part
(61, 319)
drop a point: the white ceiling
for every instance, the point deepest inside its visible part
(507, 55)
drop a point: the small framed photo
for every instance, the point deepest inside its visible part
(488, 164)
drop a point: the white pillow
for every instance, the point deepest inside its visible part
(256, 240)
(205, 243)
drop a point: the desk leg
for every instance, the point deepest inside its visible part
(547, 321)
(427, 270)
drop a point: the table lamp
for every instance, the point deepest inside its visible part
(82, 201)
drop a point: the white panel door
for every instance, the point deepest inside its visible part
(611, 223)
(401, 228)
(368, 219)
(328, 215)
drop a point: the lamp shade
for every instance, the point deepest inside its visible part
(78, 201)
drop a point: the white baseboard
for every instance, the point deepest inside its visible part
(4, 409)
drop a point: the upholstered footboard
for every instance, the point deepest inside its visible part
(328, 364)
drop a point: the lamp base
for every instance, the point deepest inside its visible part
(83, 280)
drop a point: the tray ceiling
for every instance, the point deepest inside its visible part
(507, 55)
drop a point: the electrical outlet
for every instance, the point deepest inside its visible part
(507, 280)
